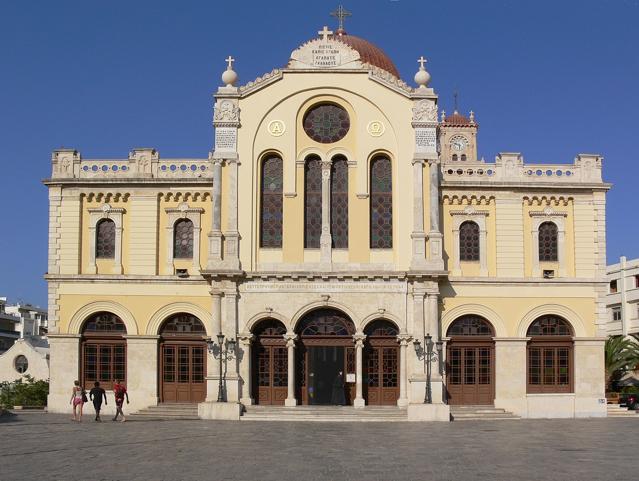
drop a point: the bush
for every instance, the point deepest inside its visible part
(24, 392)
(630, 389)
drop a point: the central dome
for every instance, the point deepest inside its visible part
(368, 52)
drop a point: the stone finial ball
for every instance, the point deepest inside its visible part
(422, 77)
(229, 77)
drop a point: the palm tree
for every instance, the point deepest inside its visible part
(622, 355)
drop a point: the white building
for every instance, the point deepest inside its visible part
(33, 319)
(8, 329)
(622, 301)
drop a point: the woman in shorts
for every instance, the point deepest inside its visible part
(77, 399)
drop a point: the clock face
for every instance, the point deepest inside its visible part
(458, 143)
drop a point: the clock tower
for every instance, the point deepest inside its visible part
(458, 137)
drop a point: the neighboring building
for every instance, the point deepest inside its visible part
(337, 222)
(8, 327)
(622, 302)
(29, 356)
(33, 319)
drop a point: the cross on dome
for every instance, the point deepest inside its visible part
(229, 61)
(421, 60)
(325, 32)
(341, 13)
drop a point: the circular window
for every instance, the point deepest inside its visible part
(326, 123)
(21, 364)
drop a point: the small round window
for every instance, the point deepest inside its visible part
(21, 364)
(326, 123)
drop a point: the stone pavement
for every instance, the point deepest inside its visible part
(51, 447)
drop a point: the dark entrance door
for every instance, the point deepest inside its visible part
(183, 368)
(381, 363)
(270, 363)
(470, 359)
(326, 347)
(182, 360)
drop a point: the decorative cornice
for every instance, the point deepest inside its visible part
(260, 82)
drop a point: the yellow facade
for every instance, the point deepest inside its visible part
(421, 284)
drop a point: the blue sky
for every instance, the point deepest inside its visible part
(549, 79)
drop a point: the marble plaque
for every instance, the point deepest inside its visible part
(425, 140)
(325, 54)
(226, 139)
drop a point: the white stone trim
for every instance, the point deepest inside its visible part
(183, 211)
(153, 327)
(96, 215)
(558, 218)
(479, 218)
(81, 315)
(448, 317)
(569, 315)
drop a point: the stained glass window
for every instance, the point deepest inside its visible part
(470, 325)
(105, 239)
(548, 242)
(270, 327)
(271, 203)
(183, 325)
(326, 322)
(469, 241)
(549, 326)
(326, 123)
(381, 328)
(183, 239)
(339, 202)
(312, 202)
(381, 204)
(104, 322)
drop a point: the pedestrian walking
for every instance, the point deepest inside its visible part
(120, 393)
(96, 394)
(78, 398)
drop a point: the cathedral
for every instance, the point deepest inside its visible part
(341, 244)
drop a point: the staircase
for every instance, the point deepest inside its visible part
(618, 411)
(168, 411)
(324, 414)
(480, 413)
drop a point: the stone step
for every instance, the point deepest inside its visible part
(480, 413)
(172, 411)
(324, 414)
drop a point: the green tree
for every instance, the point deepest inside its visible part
(24, 392)
(621, 356)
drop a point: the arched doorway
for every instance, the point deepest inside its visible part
(182, 359)
(325, 350)
(103, 350)
(270, 363)
(470, 356)
(381, 364)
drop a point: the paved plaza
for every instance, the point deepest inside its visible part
(51, 447)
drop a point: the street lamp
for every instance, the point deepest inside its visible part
(224, 351)
(426, 353)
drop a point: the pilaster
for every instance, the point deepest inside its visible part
(325, 237)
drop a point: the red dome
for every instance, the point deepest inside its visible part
(368, 52)
(456, 119)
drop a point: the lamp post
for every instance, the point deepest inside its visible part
(427, 354)
(224, 351)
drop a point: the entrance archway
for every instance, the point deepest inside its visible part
(182, 359)
(470, 358)
(270, 363)
(381, 364)
(103, 350)
(325, 370)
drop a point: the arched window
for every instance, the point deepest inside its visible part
(326, 322)
(183, 239)
(463, 157)
(312, 202)
(548, 242)
(105, 239)
(455, 157)
(381, 328)
(21, 364)
(469, 241)
(381, 204)
(271, 203)
(550, 355)
(103, 350)
(339, 202)
(470, 325)
(183, 324)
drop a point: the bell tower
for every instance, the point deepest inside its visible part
(458, 137)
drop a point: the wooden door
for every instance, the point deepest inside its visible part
(270, 384)
(381, 374)
(470, 373)
(183, 368)
(302, 372)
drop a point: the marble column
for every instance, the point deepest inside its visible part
(213, 364)
(325, 237)
(232, 235)
(245, 341)
(434, 235)
(215, 235)
(358, 402)
(432, 324)
(418, 235)
(290, 345)
(404, 340)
